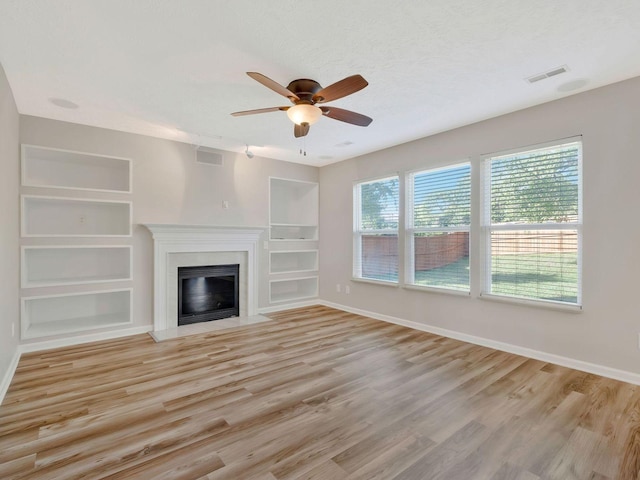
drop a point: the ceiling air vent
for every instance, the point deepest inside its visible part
(549, 74)
(209, 156)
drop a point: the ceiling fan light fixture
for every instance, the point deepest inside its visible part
(304, 113)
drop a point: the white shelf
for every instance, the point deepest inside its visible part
(56, 168)
(69, 265)
(293, 232)
(293, 289)
(293, 261)
(58, 314)
(74, 217)
(293, 202)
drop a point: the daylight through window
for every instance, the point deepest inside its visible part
(438, 221)
(375, 237)
(533, 224)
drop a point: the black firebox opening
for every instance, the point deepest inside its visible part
(207, 293)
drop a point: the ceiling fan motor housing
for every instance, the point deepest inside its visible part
(305, 89)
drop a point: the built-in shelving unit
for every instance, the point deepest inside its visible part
(68, 265)
(293, 261)
(57, 314)
(293, 290)
(56, 168)
(52, 275)
(74, 217)
(293, 231)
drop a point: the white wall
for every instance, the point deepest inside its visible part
(168, 187)
(606, 332)
(9, 264)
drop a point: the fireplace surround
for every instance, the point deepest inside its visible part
(201, 245)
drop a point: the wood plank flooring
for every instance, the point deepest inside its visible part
(315, 394)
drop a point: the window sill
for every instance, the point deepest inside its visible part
(564, 307)
(447, 291)
(375, 282)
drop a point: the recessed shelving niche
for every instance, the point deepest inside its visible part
(293, 232)
(293, 209)
(69, 265)
(293, 289)
(56, 168)
(74, 217)
(293, 261)
(58, 314)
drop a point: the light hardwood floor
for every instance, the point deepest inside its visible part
(315, 394)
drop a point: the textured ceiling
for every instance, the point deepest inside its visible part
(176, 69)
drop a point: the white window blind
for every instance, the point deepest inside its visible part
(375, 234)
(533, 224)
(439, 212)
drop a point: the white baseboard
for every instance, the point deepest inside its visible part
(93, 337)
(583, 366)
(8, 375)
(288, 306)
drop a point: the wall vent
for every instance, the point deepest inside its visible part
(549, 74)
(209, 156)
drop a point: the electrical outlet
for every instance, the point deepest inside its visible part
(83, 219)
(338, 287)
(347, 289)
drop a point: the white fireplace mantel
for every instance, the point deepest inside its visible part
(170, 239)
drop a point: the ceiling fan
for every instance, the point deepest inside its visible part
(305, 94)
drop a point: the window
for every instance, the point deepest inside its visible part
(375, 230)
(438, 219)
(532, 224)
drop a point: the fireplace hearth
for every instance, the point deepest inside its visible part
(207, 293)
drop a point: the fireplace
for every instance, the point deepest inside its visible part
(207, 293)
(177, 246)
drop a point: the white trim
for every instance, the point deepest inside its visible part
(310, 182)
(8, 375)
(524, 149)
(384, 283)
(532, 302)
(94, 337)
(614, 373)
(434, 289)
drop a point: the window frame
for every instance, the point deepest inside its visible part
(358, 231)
(410, 228)
(487, 228)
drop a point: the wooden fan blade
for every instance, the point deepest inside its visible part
(346, 116)
(300, 130)
(259, 110)
(275, 86)
(340, 89)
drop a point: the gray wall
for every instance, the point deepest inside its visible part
(9, 208)
(168, 187)
(606, 332)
